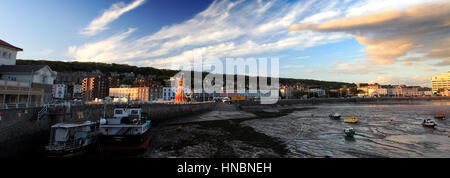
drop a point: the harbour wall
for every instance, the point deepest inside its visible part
(313, 101)
(23, 135)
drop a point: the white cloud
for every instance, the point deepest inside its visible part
(46, 52)
(392, 36)
(319, 17)
(224, 29)
(354, 67)
(292, 66)
(105, 49)
(366, 7)
(413, 80)
(312, 70)
(100, 23)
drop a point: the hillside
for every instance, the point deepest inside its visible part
(61, 66)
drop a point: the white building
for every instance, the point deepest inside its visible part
(59, 91)
(440, 82)
(8, 53)
(77, 89)
(377, 92)
(41, 74)
(320, 92)
(169, 93)
(39, 79)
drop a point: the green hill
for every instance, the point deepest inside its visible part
(161, 74)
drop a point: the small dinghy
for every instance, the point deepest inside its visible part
(335, 116)
(440, 116)
(351, 120)
(429, 123)
(350, 132)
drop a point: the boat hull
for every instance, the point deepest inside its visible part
(428, 125)
(67, 153)
(350, 134)
(124, 142)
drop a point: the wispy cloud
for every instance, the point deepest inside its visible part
(354, 67)
(46, 52)
(390, 35)
(428, 69)
(218, 31)
(100, 23)
(413, 80)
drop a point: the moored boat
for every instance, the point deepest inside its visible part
(128, 130)
(71, 138)
(439, 116)
(428, 123)
(350, 132)
(351, 120)
(335, 116)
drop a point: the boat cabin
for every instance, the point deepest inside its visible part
(68, 135)
(127, 112)
(126, 121)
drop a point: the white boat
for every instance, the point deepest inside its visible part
(335, 116)
(71, 138)
(350, 132)
(429, 123)
(129, 129)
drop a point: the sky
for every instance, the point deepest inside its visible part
(383, 41)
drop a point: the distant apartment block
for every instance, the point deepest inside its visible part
(441, 82)
(137, 93)
(97, 87)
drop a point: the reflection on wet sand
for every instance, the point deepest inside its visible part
(384, 130)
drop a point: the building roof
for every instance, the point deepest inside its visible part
(20, 68)
(5, 44)
(69, 124)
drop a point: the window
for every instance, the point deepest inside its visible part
(4, 54)
(118, 112)
(9, 55)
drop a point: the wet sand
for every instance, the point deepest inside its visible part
(305, 131)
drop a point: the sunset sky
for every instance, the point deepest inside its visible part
(385, 41)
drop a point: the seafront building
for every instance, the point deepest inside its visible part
(97, 87)
(59, 91)
(77, 91)
(440, 83)
(29, 85)
(8, 53)
(169, 93)
(137, 93)
(376, 90)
